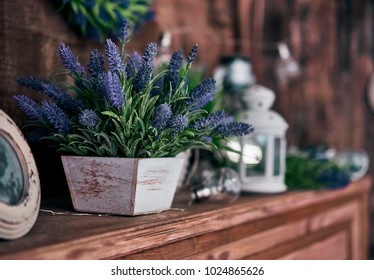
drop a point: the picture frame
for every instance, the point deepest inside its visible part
(369, 92)
(19, 182)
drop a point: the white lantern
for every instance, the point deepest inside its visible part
(262, 161)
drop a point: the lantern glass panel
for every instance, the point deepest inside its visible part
(277, 156)
(254, 150)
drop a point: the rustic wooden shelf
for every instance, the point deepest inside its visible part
(292, 225)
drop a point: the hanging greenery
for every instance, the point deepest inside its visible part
(100, 19)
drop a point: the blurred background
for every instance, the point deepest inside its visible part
(316, 55)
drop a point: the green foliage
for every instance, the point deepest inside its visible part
(99, 19)
(129, 133)
(304, 172)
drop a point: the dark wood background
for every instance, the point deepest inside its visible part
(332, 41)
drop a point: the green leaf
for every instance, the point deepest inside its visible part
(133, 147)
(111, 114)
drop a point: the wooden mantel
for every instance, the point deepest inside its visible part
(293, 225)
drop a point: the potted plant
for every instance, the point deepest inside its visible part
(120, 129)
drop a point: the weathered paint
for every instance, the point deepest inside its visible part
(121, 186)
(17, 220)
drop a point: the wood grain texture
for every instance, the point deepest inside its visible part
(331, 248)
(255, 243)
(122, 186)
(305, 242)
(198, 228)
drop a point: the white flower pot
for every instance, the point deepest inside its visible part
(122, 186)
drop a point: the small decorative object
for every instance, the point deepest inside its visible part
(122, 119)
(304, 171)
(286, 67)
(355, 161)
(369, 93)
(221, 184)
(19, 182)
(263, 154)
(234, 73)
(99, 19)
(164, 53)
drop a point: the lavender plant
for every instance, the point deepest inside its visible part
(127, 110)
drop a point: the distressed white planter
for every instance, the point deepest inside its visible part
(122, 186)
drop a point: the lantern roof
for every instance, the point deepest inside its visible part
(259, 100)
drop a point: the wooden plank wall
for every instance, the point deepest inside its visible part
(332, 41)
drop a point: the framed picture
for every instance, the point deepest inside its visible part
(19, 182)
(369, 94)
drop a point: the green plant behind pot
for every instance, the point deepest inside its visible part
(126, 111)
(99, 19)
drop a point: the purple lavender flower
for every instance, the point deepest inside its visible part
(114, 58)
(176, 61)
(114, 90)
(29, 107)
(53, 91)
(70, 62)
(32, 82)
(143, 76)
(234, 129)
(96, 64)
(178, 123)
(211, 121)
(175, 64)
(133, 64)
(96, 68)
(56, 117)
(61, 97)
(124, 33)
(161, 116)
(202, 94)
(193, 54)
(149, 55)
(89, 118)
(100, 83)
